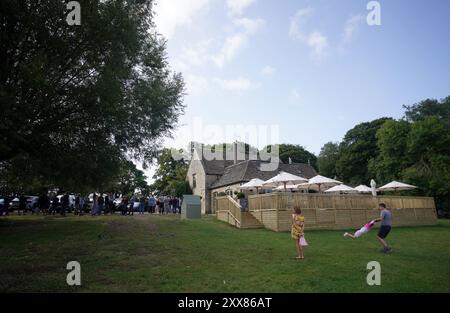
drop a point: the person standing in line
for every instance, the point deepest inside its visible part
(385, 228)
(54, 205)
(131, 206)
(177, 205)
(94, 205)
(77, 205)
(166, 205)
(124, 205)
(64, 203)
(141, 205)
(82, 204)
(101, 203)
(22, 204)
(107, 206)
(152, 203)
(44, 203)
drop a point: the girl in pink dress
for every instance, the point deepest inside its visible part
(363, 230)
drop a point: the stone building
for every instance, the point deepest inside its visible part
(208, 178)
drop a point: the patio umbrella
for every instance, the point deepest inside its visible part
(396, 186)
(284, 178)
(290, 186)
(341, 189)
(319, 181)
(363, 189)
(254, 183)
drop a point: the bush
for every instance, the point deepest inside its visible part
(240, 195)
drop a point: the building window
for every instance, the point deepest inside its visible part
(194, 181)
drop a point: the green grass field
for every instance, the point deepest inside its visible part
(164, 254)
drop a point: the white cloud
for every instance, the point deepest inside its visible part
(318, 43)
(297, 21)
(237, 7)
(235, 85)
(173, 13)
(195, 84)
(196, 54)
(268, 70)
(315, 40)
(294, 96)
(234, 43)
(351, 28)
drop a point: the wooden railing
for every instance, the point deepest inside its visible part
(226, 207)
(338, 211)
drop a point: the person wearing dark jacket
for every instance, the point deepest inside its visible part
(64, 203)
(44, 203)
(22, 204)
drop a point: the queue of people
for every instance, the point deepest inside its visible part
(92, 204)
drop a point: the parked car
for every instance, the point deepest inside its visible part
(71, 201)
(32, 203)
(135, 205)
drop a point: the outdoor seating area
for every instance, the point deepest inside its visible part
(333, 205)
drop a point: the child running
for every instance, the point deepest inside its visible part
(364, 230)
(297, 232)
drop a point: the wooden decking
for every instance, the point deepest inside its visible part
(322, 211)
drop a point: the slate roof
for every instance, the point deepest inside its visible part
(244, 171)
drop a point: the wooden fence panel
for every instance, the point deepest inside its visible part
(339, 211)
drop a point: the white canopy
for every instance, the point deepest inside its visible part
(341, 189)
(319, 181)
(284, 178)
(396, 186)
(363, 189)
(281, 187)
(307, 186)
(254, 183)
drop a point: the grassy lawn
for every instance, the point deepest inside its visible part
(164, 254)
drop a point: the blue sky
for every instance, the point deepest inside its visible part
(312, 68)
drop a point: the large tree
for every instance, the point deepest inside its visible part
(416, 149)
(296, 153)
(326, 161)
(170, 175)
(77, 99)
(357, 149)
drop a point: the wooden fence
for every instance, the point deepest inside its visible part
(323, 211)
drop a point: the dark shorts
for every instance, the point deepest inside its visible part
(384, 231)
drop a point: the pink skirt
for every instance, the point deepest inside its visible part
(302, 241)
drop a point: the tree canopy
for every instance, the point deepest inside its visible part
(296, 153)
(357, 149)
(327, 159)
(78, 100)
(170, 175)
(414, 149)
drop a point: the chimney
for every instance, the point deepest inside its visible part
(235, 152)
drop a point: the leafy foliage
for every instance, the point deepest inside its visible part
(78, 100)
(327, 159)
(415, 149)
(357, 149)
(297, 153)
(170, 176)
